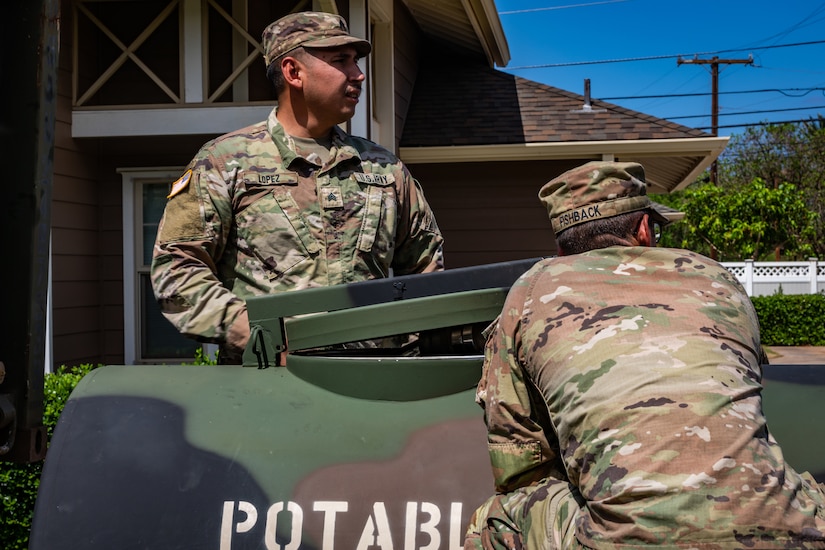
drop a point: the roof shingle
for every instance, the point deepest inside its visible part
(471, 104)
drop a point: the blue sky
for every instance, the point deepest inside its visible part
(786, 81)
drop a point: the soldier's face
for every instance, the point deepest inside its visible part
(332, 86)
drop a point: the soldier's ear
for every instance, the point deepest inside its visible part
(644, 234)
(291, 69)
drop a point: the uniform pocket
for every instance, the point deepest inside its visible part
(273, 231)
(377, 233)
(513, 458)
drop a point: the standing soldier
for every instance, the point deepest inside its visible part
(292, 202)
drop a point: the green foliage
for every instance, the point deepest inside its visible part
(18, 490)
(19, 482)
(770, 196)
(791, 319)
(750, 221)
(676, 235)
(782, 154)
(56, 389)
(202, 358)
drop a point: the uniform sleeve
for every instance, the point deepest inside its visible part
(190, 240)
(418, 239)
(522, 452)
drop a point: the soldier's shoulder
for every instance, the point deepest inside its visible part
(371, 151)
(238, 138)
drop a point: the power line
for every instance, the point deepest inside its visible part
(748, 124)
(655, 57)
(748, 112)
(530, 10)
(714, 62)
(782, 91)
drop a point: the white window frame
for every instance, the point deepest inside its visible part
(376, 124)
(48, 357)
(133, 179)
(382, 74)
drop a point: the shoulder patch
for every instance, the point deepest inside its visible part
(180, 185)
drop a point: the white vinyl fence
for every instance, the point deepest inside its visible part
(766, 278)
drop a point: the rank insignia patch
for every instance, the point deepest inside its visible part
(331, 197)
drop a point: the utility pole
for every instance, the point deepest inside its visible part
(714, 63)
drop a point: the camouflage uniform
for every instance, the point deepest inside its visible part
(633, 373)
(251, 216)
(621, 390)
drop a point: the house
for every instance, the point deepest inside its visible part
(144, 83)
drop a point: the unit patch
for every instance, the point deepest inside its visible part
(181, 184)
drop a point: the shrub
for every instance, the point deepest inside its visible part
(791, 319)
(19, 482)
(203, 358)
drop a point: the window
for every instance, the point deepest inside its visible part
(380, 77)
(376, 119)
(148, 336)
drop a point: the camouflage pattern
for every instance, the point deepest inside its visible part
(256, 217)
(598, 190)
(506, 521)
(633, 373)
(308, 29)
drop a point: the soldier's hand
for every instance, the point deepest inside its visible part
(238, 334)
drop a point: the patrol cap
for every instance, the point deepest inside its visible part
(310, 29)
(600, 190)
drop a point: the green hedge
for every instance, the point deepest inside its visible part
(19, 482)
(791, 319)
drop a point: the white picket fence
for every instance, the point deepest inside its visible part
(766, 278)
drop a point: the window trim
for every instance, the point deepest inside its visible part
(132, 179)
(382, 75)
(376, 126)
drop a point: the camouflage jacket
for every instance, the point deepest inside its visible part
(634, 373)
(250, 217)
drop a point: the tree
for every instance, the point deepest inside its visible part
(770, 197)
(778, 154)
(749, 221)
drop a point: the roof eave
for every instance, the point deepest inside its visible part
(484, 18)
(706, 150)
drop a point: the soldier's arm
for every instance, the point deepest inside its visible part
(418, 239)
(190, 239)
(522, 451)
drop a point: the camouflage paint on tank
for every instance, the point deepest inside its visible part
(231, 457)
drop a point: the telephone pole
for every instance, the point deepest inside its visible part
(714, 63)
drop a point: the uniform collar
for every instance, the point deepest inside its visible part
(342, 150)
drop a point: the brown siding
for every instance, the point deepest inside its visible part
(75, 219)
(87, 236)
(114, 154)
(406, 38)
(489, 211)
